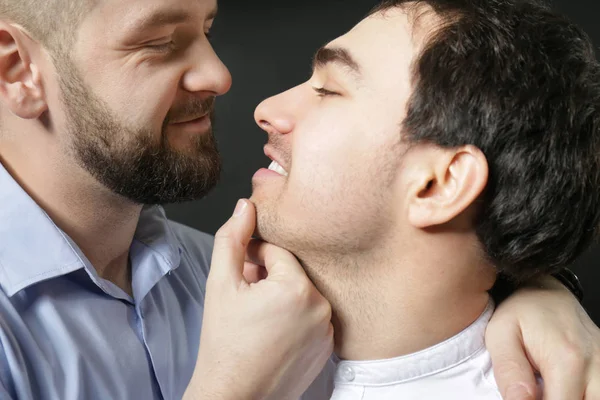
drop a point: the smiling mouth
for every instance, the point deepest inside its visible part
(278, 168)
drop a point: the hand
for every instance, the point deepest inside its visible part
(545, 329)
(264, 338)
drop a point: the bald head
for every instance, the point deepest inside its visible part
(52, 22)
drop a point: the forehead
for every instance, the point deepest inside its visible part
(130, 13)
(385, 45)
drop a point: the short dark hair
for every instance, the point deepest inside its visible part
(521, 83)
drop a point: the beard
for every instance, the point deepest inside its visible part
(137, 163)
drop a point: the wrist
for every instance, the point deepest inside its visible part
(199, 391)
(208, 384)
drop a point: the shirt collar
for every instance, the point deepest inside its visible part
(155, 251)
(438, 358)
(155, 232)
(33, 249)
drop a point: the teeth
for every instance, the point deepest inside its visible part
(278, 168)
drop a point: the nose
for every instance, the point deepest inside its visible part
(206, 72)
(278, 114)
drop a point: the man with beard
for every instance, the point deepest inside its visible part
(106, 115)
(436, 144)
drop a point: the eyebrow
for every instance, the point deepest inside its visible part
(336, 55)
(167, 17)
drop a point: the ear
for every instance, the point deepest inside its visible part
(449, 181)
(21, 88)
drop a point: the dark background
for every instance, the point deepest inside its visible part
(268, 46)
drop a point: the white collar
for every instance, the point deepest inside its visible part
(432, 360)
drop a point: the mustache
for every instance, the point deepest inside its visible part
(281, 148)
(190, 110)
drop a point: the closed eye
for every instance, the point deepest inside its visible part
(322, 92)
(161, 47)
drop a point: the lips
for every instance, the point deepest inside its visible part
(277, 165)
(189, 119)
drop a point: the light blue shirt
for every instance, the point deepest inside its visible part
(66, 333)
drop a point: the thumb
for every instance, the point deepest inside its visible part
(231, 241)
(512, 370)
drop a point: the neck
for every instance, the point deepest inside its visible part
(99, 222)
(387, 304)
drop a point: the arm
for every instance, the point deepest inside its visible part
(543, 327)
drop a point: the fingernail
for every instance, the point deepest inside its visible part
(518, 391)
(240, 208)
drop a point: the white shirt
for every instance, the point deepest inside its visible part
(459, 368)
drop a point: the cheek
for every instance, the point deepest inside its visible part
(329, 173)
(343, 204)
(341, 175)
(140, 96)
(328, 152)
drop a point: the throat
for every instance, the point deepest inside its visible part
(378, 315)
(409, 328)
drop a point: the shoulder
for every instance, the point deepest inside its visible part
(192, 239)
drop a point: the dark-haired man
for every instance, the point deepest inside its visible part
(437, 143)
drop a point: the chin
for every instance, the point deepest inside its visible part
(271, 225)
(266, 227)
(262, 229)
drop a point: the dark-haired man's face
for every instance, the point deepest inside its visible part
(138, 92)
(338, 185)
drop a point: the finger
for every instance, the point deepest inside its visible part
(230, 244)
(254, 273)
(277, 261)
(512, 370)
(564, 375)
(249, 257)
(252, 252)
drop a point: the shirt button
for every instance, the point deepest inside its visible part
(348, 373)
